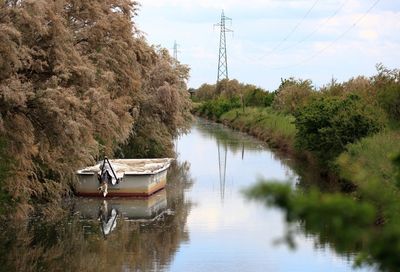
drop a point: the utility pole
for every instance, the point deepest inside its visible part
(223, 58)
(176, 51)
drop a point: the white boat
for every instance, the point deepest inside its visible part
(123, 177)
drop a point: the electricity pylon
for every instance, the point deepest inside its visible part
(223, 57)
(176, 51)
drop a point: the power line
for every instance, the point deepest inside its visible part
(293, 29)
(317, 28)
(334, 41)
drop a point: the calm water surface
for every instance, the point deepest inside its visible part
(227, 232)
(201, 222)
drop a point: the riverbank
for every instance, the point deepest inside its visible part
(274, 128)
(369, 157)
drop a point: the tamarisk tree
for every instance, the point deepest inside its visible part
(76, 81)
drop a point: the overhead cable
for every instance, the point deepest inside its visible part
(334, 14)
(334, 41)
(293, 29)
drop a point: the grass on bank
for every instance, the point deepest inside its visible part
(371, 158)
(275, 128)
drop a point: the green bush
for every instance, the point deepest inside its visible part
(328, 124)
(397, 166)
(258, 98)
(370, 159)
(389, 98)
(213, 109)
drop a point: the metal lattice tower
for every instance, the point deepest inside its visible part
(223, 57)
(176, 51)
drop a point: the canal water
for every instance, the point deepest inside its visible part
(202, 221)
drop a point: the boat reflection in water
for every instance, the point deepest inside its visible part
(109, 211)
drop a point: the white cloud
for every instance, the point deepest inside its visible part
(369, 35)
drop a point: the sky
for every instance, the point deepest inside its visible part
(277, 39)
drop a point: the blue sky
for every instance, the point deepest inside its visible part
(274, 39)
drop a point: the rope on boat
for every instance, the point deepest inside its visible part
(106, 160)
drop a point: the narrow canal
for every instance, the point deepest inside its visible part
(201, 222)
(226, 231)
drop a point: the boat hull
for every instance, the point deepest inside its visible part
(132, 184)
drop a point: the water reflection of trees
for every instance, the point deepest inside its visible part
(75, 244)
(235, 142)
(353, 227)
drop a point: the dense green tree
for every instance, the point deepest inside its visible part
(328, 124)
(229, 94)
(215, 108)
(257, 97)
(389, 98)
